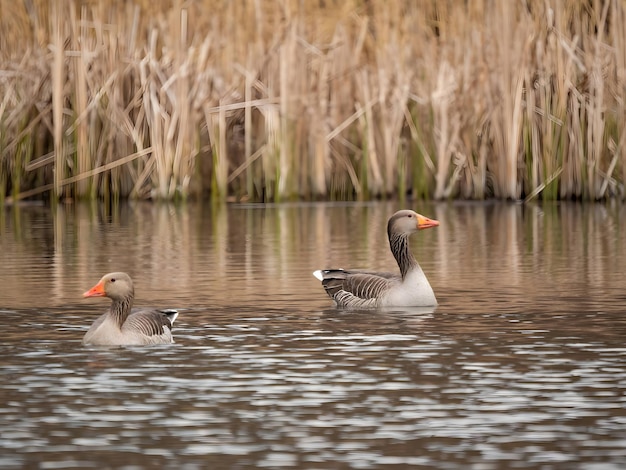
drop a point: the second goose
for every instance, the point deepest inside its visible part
(121, 324)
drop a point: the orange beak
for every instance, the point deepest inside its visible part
(425, 222)
(96, 291)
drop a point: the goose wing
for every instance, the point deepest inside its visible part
(151, 323)
(358, 289)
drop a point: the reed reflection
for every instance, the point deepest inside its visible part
(225, 255)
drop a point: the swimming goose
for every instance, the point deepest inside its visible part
(122, 326)
(367, 289)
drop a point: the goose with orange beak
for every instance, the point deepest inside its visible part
(356, 289)
(122, 325)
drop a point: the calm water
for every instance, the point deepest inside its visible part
(522, 365)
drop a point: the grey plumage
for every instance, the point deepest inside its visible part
(122, 324)
(367, 289)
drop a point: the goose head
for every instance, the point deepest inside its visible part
(116, 286)
(406, 222)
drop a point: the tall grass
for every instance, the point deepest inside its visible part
(278, 100)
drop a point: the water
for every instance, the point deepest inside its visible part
(522, 365)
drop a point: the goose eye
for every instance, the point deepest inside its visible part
(113, 280)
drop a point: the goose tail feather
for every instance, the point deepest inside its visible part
(171, 315)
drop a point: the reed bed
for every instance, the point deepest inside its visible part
(282, 100)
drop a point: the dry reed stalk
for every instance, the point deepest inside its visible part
(533, 150)
(618, 28)
(80, 63)
(221, 163)
(248, 129)
(285, 165)
(596, 107)
(512, 102)
(159, 119)
(399, 72)
(315, 142)
(394, 98)
(58, 82)
(216, 126)
(271, 117)
(371, 175)
(182, 134)
(564, 54)
(444, 134)
(320, 149)
(607, 178)
(337, 156)
(574, 158)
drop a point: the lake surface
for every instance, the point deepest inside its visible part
(521, 366)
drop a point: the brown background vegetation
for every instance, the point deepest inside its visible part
(276, 100)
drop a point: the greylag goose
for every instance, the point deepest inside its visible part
(122, 326)
(367, 289)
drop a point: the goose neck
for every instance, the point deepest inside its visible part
(401, 252)
(120, 309)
